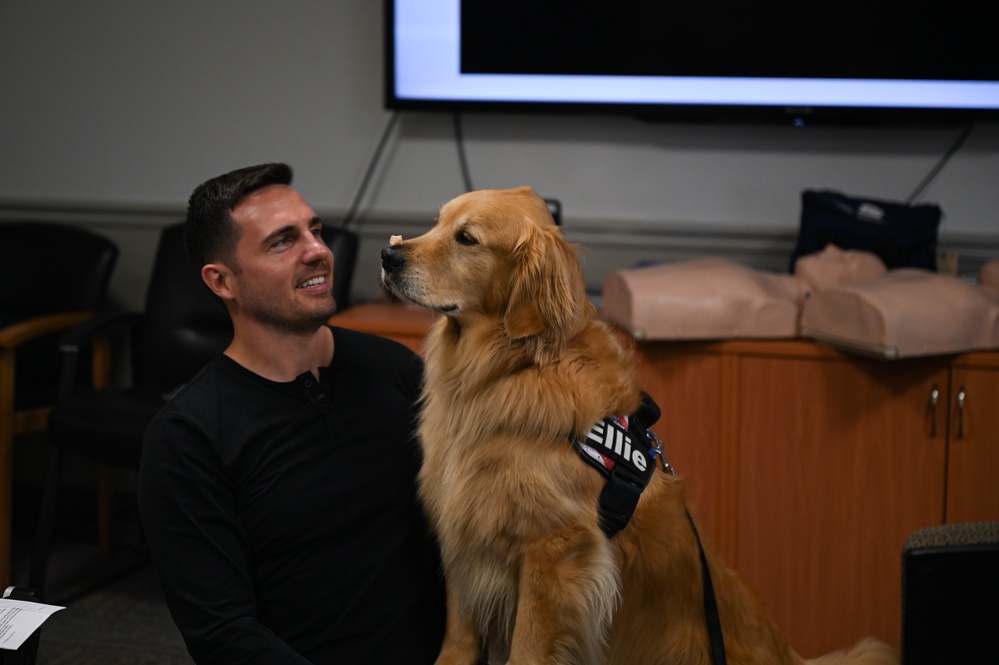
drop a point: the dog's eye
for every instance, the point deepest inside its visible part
(465, 238)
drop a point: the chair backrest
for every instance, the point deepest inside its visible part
(47, 267)
(185, 324)
(344, 244)
(950, 594)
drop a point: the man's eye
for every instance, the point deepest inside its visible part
(464, 238)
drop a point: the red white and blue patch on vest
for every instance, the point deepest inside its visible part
(608, 444)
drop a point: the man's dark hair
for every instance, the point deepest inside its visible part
(210, 232)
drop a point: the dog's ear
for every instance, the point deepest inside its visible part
(546, 286)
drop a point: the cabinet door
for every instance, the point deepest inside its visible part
(973, 449)
(837, 466)
(688, 387)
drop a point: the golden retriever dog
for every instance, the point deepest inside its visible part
(518, 369)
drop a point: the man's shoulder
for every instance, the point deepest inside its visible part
(202, 393)
(204, 383)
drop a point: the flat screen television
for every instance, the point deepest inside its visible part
(787, 61)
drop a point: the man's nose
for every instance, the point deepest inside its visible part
(316, 249)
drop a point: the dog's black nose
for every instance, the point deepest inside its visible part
(392, 259)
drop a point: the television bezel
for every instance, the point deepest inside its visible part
(794, 115)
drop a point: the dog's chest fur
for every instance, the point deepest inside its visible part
(499, 471)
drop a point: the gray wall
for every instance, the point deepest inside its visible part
(114, 110)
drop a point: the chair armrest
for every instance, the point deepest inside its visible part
(86, 332)
(24, 331)
(83, 336)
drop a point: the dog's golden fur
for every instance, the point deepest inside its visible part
(516, 369)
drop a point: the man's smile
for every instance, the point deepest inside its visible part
(315, 281)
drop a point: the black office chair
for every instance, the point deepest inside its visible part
(950, 594)
(344, 244)
(52, 277)
(182, 327)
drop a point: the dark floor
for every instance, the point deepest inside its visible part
(114, 611)
(75, 565)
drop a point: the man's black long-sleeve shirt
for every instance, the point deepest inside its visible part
(283, 517)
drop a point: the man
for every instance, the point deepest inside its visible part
(277, 490)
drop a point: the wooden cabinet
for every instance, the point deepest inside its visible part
(835, 470)
(808, 468)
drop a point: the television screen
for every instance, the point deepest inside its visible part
(778, 60)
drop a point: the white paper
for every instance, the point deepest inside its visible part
(20, 618)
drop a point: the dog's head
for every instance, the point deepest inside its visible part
(493, 254)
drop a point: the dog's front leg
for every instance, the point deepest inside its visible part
(568, 590)
(461, 637)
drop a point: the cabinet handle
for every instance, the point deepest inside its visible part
(934, 398)
(961, 397)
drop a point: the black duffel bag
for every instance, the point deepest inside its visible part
(902, 235)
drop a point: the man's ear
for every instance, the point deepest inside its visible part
(219, 279)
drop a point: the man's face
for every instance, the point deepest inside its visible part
(283, 272)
